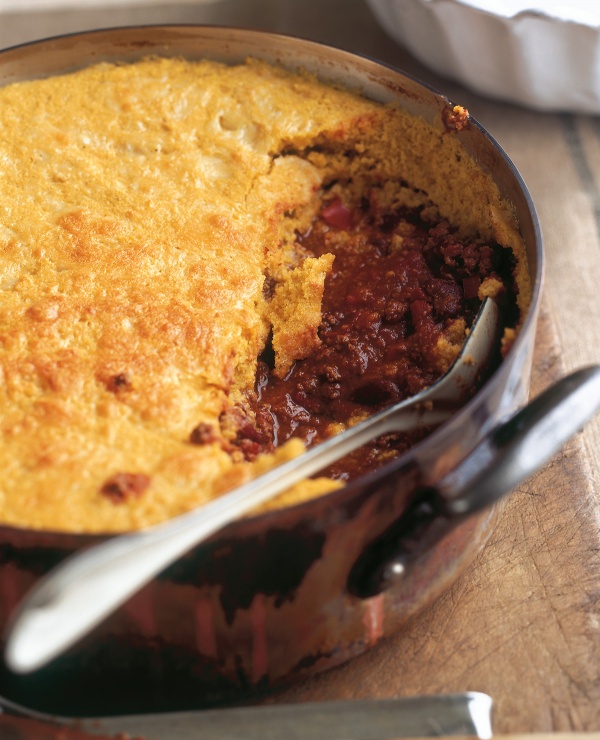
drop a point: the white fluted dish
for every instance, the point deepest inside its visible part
(542, 54)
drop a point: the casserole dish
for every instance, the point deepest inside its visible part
(267, 600)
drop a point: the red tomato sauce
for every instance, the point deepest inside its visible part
(399, 280)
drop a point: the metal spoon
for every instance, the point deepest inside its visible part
(84, 589)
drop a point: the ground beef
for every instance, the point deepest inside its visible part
(401, 280)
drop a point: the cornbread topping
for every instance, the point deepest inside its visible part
(179, 240)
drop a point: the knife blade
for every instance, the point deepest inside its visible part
(366, 719)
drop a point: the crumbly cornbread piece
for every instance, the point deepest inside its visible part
(148, 215)
(295, 332)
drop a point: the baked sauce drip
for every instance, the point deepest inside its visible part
(399, 281)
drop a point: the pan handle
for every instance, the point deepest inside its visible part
(508, 455)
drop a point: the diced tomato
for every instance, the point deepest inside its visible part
(420, 312)
(336, 214)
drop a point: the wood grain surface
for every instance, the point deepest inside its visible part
(522, 624)
(528, 736)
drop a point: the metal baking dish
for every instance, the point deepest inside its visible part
(266, 601)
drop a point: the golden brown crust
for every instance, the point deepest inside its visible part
(144, 212)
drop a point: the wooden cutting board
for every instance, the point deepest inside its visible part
(530, 736)
(523, 623)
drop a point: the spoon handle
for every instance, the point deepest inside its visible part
(88, 586)
(84, 589)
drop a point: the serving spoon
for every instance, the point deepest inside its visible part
(85, 588)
